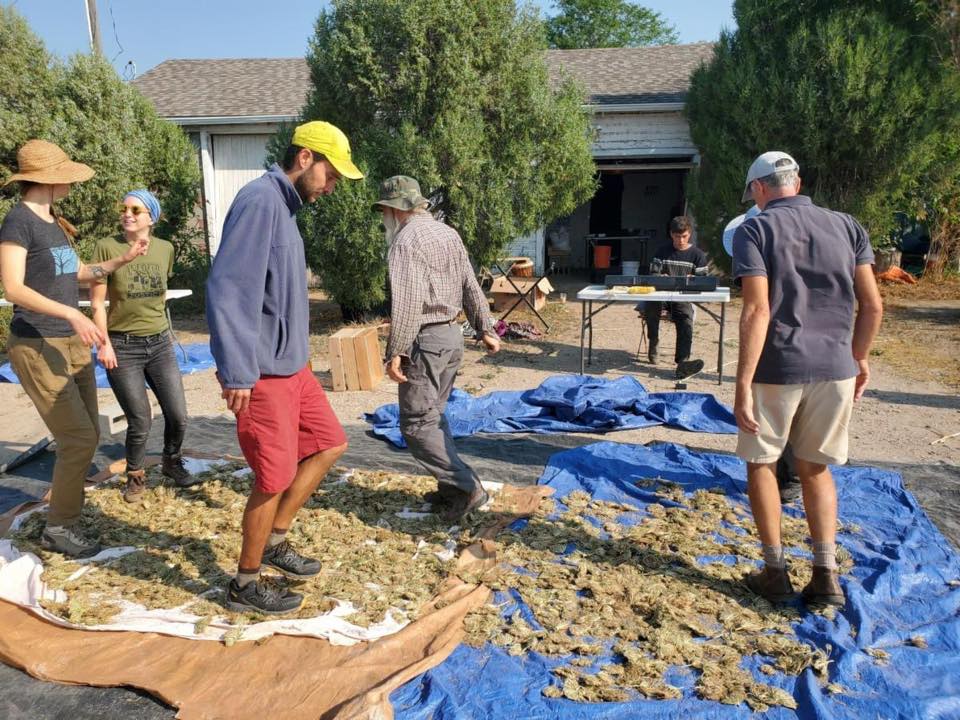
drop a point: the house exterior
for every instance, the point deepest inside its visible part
(642, 148)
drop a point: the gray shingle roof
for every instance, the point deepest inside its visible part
(614, 76)
(278, 86)
(227, 88)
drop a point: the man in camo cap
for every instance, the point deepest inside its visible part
(431, 281)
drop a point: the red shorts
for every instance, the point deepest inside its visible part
(288, 419)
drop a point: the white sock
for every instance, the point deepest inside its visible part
(773, 556)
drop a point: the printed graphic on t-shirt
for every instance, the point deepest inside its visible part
(65, 260)
(145, 280)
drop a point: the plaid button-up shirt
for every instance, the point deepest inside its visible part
(431, 279)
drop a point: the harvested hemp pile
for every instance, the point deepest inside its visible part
(187, 541)
(634, 592)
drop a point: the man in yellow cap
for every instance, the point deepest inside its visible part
(257, 310)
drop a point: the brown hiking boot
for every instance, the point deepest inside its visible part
(136, 485)
(824, 588)
(771, 583)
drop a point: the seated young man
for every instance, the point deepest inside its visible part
(679, 258)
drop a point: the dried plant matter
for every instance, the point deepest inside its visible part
(635, 591)
(188, 541)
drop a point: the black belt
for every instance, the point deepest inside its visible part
(437, 324)
(144, 339)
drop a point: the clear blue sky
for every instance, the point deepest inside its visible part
(150, 32)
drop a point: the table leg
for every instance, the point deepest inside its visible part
(590, 345)
(723, 326)
(583, 331)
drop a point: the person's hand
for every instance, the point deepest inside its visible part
(138, 248)
(863, 377)
(107, 357)
(395, 371)
(237, 399)
(83, 326)
(743, 411)
(492, 342)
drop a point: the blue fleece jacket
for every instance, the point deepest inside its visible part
(257, 307)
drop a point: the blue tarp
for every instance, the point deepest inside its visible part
(191, 358)
(570, 403)
(898, 589)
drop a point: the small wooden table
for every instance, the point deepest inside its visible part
(601, 294)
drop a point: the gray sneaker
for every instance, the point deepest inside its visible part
(64, 540)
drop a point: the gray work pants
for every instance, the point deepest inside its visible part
(434, 361)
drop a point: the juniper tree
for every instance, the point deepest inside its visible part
(457, 95)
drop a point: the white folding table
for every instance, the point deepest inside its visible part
(601, 294)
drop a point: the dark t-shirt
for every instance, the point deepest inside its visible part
(809, 256)
(681, 262)
(51, 270)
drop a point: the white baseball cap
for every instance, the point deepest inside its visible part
(767, 164)
(730, 230)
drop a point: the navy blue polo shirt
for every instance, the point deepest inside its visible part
(809, 256)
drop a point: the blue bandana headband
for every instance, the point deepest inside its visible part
(149, 201)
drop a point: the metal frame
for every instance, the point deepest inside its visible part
(588, 313)
(523, 295)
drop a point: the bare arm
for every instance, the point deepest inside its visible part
(13, 264)
(99, 272)
(754, 321)
(98, 297)
(867, 324)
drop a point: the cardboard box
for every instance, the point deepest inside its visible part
(355, 360)
(505, 295)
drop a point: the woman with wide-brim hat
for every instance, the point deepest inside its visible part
(50, 339)
(139, 347)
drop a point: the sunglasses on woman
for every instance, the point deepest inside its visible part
(135, 210)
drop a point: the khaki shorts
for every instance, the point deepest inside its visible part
(814, 417)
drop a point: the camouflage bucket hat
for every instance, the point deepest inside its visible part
(400, 192)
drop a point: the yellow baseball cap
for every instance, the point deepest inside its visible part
(329, 140)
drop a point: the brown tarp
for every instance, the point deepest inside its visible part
(289, 677)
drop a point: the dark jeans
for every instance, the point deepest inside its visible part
(682, 315)
(149, 359)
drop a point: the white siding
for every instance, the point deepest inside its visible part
(237, 159)
(531, 246)
(637, 135)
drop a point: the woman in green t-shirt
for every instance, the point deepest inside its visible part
(139, 348)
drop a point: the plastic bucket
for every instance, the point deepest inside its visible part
(601, 256)
(631, 267)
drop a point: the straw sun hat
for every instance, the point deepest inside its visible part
(43, 162)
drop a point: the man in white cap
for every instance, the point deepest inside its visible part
(259, 321)
(811, 310)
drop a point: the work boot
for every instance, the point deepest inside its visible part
(444, 496)
(824, 588)
(284, 558)
(136, 486)
(68, 541)
(788, 482)
(465, 504)
(771, 583)
(174, 469)
(652, 352)
(686, 368)
(261, 596)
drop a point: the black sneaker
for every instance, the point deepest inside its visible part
(263, 597)
(174, 469)
(284, 558)
(686, 368)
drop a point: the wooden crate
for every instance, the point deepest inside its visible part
(355, 362)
